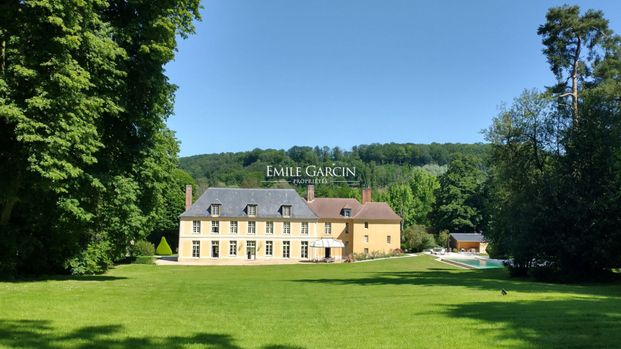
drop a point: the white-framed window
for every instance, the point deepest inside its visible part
(328, 228)
(215, 249)
(286, 227)
(269, 248)
(251, 249)
(388, 239)
(196, 248)
(215, 227)
(233, 227)
(304, 228)
(366, 251)
(233, 248)
(286, 249)
(196, 227)
(252, 227)
(347, 212)
(304, 249)
(252, 210)
(215, 209)
(286, 211)
(366, 238)
(366, 225)
(269, 228)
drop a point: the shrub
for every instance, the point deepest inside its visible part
(94, 260)
(163, 249)
(143, 260)
(143, 248)
(396, 252)
(442, 238)
(417, 238)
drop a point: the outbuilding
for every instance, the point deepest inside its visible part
(469, 242)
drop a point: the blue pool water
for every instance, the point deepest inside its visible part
(477, 263)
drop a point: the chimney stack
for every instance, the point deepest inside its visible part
(366, 195)
(310, 193)
(188, 197)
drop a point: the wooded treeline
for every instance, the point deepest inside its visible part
(555, 181)
(377, 165)
(87, 164)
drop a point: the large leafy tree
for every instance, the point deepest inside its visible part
(401, 199)
(522, 179)
(458, 205)
(423, 185)
(554, 182)
(86, 156)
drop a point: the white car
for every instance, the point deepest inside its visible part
(438, 250)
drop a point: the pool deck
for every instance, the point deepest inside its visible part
(460, 265)
(446, 258)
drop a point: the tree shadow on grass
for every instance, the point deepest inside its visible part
(41, 334)
(41, 278)
(573, 323)
(487, 280)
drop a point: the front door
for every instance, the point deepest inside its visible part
(251, 249)
(215, 249)
(328, 252)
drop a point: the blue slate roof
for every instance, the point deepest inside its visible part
(234, 202)
(468, 237)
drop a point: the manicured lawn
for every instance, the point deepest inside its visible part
(408, 302)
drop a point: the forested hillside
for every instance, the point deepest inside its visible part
(377, 165)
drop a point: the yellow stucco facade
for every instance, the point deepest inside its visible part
(279, 229)
(360, 237)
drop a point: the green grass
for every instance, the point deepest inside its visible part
(398, 303)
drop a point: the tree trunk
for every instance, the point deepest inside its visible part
(11, 198)
(2, 53)
(574, 82)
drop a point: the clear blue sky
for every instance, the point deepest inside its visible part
(273, 74)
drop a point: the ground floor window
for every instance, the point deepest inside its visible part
(304, 249)
(215, 249)
(286, 248)
(269, 248)
(233, 248)
(196, 248)
(251, 249)
(388, 239)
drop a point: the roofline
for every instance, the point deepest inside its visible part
(225, 188)
(284, 219)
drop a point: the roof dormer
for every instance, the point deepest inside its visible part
(215, 209)
(251, 210)
(285, 210)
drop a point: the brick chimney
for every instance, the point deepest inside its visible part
(366, 195)
(310, 193)
(188, 197)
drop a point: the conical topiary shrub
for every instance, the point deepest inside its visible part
(163, 249)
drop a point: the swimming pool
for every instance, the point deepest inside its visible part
(476, 263)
